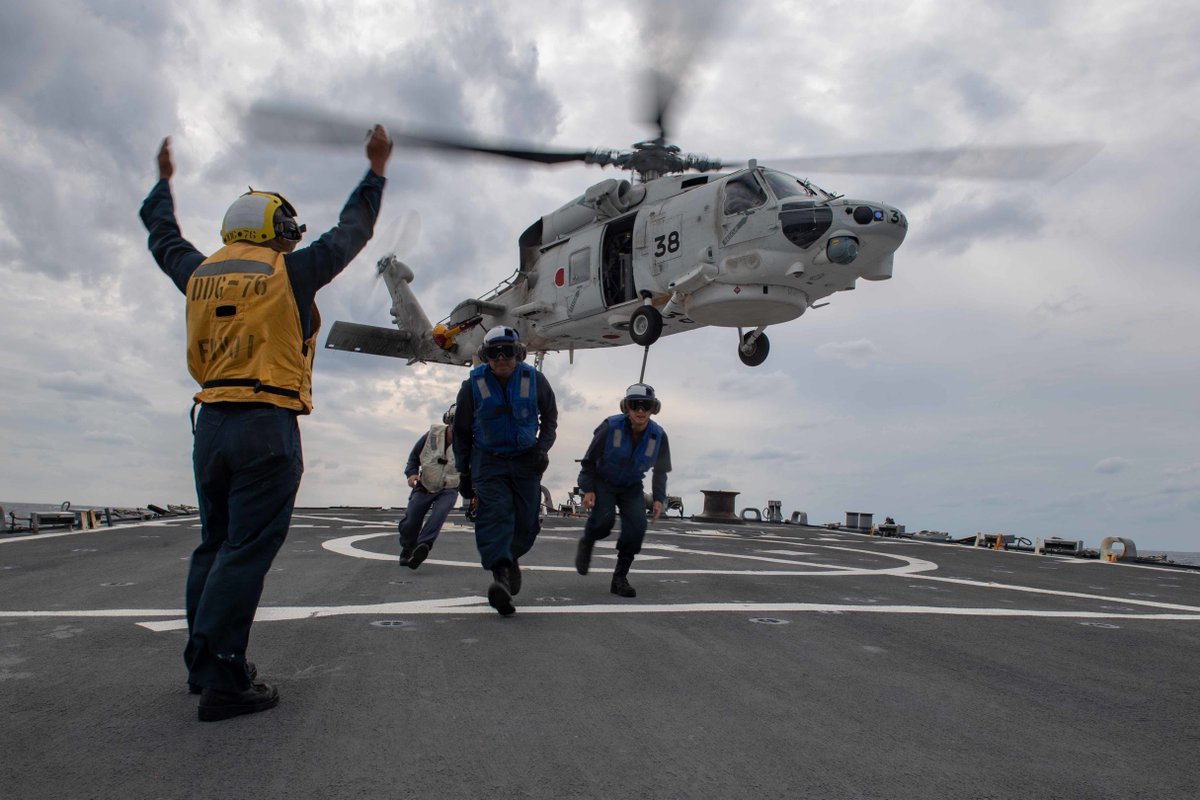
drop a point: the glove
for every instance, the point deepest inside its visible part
(542, 461)
(464, 486)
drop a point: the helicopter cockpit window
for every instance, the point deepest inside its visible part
(785, 186)
(742, 194)
(580, 266)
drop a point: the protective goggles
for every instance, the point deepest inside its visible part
(497, 351)
(640, 405)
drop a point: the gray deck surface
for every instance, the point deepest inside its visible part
(756, 661)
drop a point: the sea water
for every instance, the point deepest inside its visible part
(1177, 556)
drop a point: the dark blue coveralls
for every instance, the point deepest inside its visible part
(503, 439)
(615, 474)
(246, 456)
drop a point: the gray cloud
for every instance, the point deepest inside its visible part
(1111, 466)
(969, 221)
(985, 99)
(1071, 304)
(93, 386)
(856, 354)
(1022, 318)
(110, 438)
(75, 75)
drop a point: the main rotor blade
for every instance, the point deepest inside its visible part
(673, 34)
(279, 124)
(538, 156)
(1004, 162)
(282, 124)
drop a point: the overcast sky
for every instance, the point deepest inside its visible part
(1030, 369)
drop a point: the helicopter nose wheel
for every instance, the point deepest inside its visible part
(754, 348)
(645, 325)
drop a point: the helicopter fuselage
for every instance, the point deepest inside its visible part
(745, 249)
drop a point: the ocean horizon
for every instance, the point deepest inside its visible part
(1178, 556)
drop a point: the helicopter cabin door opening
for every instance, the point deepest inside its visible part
(616, 263)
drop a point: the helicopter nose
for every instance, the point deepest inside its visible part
(886, 224)
(872, 213)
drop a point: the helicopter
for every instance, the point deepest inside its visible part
(681, 246)
(627, 263)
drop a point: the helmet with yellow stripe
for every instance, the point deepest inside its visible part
(259, 217)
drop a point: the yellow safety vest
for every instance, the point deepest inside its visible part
(245, 344)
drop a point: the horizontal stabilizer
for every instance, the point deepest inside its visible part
(377, 341)
(370, 339)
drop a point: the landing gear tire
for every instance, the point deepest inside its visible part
(754, 354)
(645, 326)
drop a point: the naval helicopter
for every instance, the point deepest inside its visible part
(682, 246)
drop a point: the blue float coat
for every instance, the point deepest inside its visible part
(464, 420)
(589, 467)
(507, 479)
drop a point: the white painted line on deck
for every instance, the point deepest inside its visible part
(1055, 592)
(909, 567)
(478, 605)
(166, 522)
(346, 546)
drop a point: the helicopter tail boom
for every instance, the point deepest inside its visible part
(374, 340)
(413, 339)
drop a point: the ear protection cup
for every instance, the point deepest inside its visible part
(286, 227)
(448, 414)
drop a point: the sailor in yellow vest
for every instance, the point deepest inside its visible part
(251, 333)
(434, 482)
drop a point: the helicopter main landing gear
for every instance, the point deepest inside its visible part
(754, 347)
(645, 325)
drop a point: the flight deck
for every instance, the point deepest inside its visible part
(758, 660)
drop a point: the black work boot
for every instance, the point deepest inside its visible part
(583, 554)
(418, 555)
(216, 705)
(405, 555)
(499, 594)
(514, 578)
(620, 582)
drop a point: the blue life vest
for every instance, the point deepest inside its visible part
(622, 464)
(506, 420)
